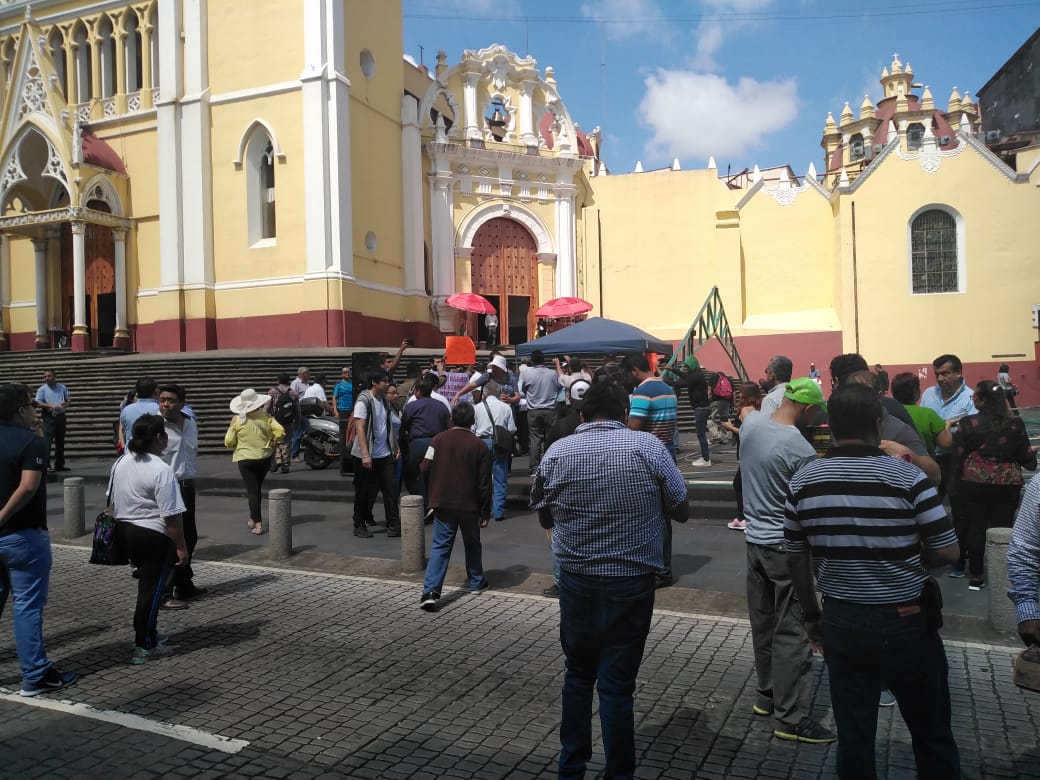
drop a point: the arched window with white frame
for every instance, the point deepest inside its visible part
(936, 251)
(259, 162)
(132, 52)
(107, 52)
(56, 44)
(84, 64)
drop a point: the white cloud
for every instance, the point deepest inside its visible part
(694, 115)
(719, 25)
(627, 19)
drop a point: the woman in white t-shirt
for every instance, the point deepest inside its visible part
(147, 505)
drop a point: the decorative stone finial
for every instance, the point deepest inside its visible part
(675, 164)
(756, 175)
(927, 102)
(955, 101)
(442, 63)
(829, 126)
(846, 114)
(812, 172)
(550, 76)
(897, 66)
(843, 180)
(711, 164)
(639, 167)
(866, 108)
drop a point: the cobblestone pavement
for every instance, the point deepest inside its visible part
(329, 676)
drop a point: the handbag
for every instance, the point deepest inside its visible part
(105, 549)
(501, 436)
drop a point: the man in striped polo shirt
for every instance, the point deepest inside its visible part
(869, 523)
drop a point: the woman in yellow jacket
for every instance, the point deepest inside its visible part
(253, 434)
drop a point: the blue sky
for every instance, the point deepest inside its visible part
(747, 81)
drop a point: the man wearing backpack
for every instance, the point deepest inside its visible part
(721, 398)
(284, 407)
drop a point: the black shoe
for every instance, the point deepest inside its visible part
(53, 680)
(663, 581)
(807, 731)
(188, 591)
(392, 532)
(429, 601)
(285, 469)
(976, 584)
(363, 532)
(134, 572)
(500, 519)
(552, 593)
(62, 467)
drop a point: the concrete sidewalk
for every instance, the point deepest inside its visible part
(294, 674)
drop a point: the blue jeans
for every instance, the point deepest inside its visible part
(604, 622)
(301, 427)
(866, 644)
(445, 527)
(499, 477)
(25, 571)
(700, 417)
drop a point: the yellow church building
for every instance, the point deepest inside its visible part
(165, 188)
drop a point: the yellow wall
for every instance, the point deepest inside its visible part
(261, 47)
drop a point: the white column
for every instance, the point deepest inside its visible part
(566, 270)
(168, 139)
(526, 115)
(469, 96)
(79, 279)
(326, 134)
(411, 156)
(40, 253)
(196, 159)
(5, 276)
(119, 239)
(443, 237)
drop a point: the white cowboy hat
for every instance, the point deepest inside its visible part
(499, 362)
(248, 401)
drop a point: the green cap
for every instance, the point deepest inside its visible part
(692, 363)
(805, 391)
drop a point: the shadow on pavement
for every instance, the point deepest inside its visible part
(689, 564)
(228, 587)
(508, 577)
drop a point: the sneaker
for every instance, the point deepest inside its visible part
(763, 706)
(480, 588)
(956, 571)
(363, 532)
(393, 532)
(429, 601)
(143, 656)
(189, 591)
(976, 584)
(700, 462)
(54, 679)
(807, 731)
(736, 524)
(887, 699)
(552, 593)
(173, 604)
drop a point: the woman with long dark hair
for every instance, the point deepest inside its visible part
(147, 505)
(750, 401)
(990, 450)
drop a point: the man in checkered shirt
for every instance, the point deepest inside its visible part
(606, 492)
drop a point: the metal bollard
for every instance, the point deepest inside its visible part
(1001, 608)
(413, 535)
(279, 523)
(75, 508)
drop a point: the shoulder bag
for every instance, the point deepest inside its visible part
(501, 436)
(105, 548)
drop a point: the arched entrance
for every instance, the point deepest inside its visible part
(99, 281)
(505, 271)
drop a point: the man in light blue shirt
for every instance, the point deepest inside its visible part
(951, 399)
(541, 386)
(53, 399)
(147, 402)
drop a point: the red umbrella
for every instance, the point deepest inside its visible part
(470, 302)
(563, 307)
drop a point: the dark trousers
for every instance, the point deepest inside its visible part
(368, 483)
(413, 477)
(738, 491)
(182, 575)
(538, 423)
(782, 659)
(154, 555)
(867, 643)
(253, 473)
(604, 622)
(982, 507)
(523, 433)
(54, 431)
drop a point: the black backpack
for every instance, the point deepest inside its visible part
(284, 409)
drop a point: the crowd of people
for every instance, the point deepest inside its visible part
(907, 482)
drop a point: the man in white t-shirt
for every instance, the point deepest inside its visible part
(317, 390)
(375, 452)
(181, 453)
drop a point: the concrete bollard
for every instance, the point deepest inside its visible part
(75, 508)
(279, 523)
(413, 535)
(1001, 608)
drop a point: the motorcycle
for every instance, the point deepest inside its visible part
(320, 444)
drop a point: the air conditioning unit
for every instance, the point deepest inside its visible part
(856, 150)
(877, 148)
(944, 139)
(992, 135)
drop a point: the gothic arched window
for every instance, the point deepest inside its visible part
(259, 161)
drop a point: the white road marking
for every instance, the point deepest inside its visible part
(127, 720)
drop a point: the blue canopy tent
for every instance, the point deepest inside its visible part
(596, 336)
